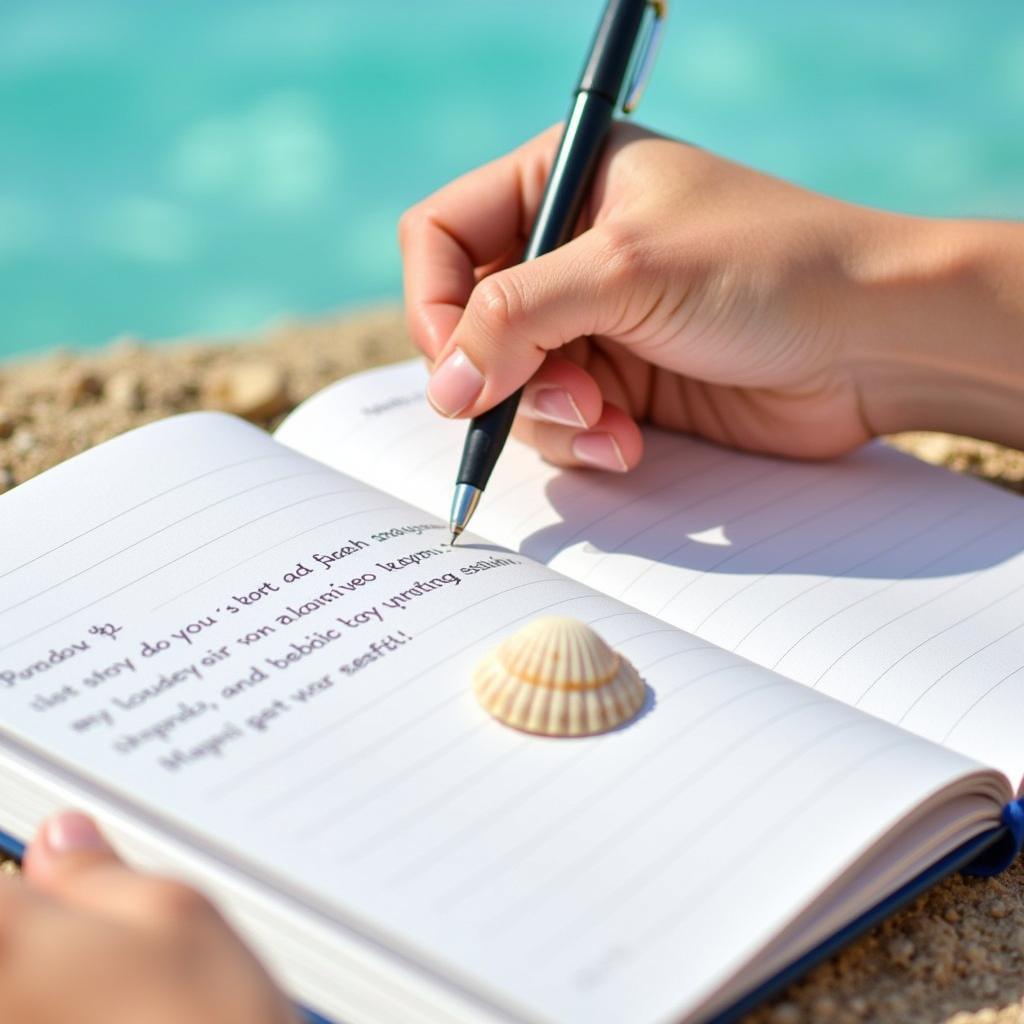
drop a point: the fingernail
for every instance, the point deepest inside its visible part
(454, 385)
(596, 448)
(557, 406)
(72, 831)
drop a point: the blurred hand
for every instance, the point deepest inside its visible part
(85, 939)
(697, 295)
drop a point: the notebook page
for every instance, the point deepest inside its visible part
(273, 659)
(889, 584)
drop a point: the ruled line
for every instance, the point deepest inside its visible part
(165, 565)
(163, 529)
(143, 503)
(372, 842)
(260, 767)
(444, 797)
(676, 510)
(536, 839)
(674, 513)
(682, 910)
(734, 551)
(614, 839)
(384, 786)
(273, 547)
(967, 712)
(782, 566)
(612, 898)
(842, 575)
(331, 772)
(585, 482)
(934, 636)
(949, 671)
(916, 574)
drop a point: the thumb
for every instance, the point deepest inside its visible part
(66, 846)
(72, 861)
(514, 318)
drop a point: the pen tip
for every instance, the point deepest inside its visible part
(464, 502)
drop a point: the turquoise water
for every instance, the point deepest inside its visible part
(187, 167)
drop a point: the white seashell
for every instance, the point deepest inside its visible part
(557, 677)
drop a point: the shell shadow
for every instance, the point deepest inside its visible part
(648, 707)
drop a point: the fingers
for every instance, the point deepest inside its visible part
(17, 903)
(515, 317)
(67, 849)
(72, 862)
(612, 442)
(562, 392)
(474, 222)
(564, 415)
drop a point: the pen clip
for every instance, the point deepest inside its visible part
(644, 64)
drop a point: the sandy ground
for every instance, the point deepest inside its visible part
(956, 955)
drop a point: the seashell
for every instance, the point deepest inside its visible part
(557, 677)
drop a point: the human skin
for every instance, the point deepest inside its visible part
(84, 938)
(704, 297)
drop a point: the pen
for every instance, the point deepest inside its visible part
(586, 130)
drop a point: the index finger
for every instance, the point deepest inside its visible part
(468, 224)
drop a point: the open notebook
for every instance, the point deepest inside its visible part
(250, 659)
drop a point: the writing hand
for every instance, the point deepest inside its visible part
(704, 297)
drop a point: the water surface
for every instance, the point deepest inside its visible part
(186, 167)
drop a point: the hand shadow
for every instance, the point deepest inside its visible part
(875, 513)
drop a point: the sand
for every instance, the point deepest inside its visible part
(956, 955)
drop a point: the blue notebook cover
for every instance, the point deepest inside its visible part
(985, 855)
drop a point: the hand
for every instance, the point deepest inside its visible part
(86, 939)
(703, 297)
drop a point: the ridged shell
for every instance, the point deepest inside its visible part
(557, 677)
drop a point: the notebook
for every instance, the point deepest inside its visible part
(249, 657)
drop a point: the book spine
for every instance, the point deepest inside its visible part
(10, 847)
(1004, 851)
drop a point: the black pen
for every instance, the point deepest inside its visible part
(590, 120)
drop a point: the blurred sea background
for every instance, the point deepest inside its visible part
(204, 168)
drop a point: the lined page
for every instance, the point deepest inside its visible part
(889, 584)
(275, 657)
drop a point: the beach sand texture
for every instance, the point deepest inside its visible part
(956, 955)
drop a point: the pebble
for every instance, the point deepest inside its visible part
(859, 1006)
(901, 951)
(23, 442)
(988, 985)
(975, 953)
(83, 386)
(998, 909)
(256, 391)
(897, 1005)
(124, 390)
(786, 1013)
(823, 1009)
